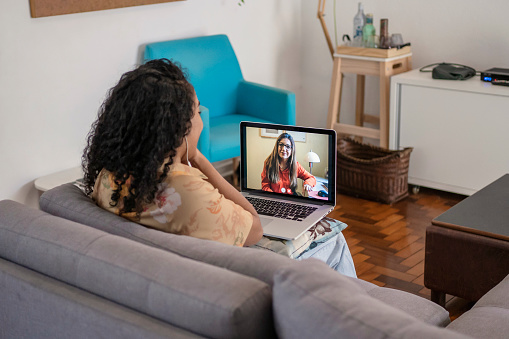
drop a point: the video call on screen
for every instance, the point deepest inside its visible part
(307, 151)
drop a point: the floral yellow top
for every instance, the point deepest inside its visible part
(185, 204)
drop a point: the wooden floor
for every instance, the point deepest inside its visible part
(387, 241)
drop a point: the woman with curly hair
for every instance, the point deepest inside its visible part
(281, 169)
(142, 162)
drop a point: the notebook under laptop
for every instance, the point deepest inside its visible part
(314, 152)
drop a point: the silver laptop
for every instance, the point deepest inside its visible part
(270, 152)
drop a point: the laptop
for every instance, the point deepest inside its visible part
(287, 211)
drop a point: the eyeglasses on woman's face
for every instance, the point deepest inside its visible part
(286, 147)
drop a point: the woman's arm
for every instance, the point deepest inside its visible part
(308, 178)
(203, 164)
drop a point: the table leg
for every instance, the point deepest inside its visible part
(335, 91)
(359, 102)
(438, 297)
(384, 104)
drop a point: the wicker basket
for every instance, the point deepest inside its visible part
(371, 172)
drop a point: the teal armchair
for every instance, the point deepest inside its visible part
(226, 98)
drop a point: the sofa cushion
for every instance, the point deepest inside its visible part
(201, 298)
(333, 306)
(34, 305)
(489, 316)
(69, 202)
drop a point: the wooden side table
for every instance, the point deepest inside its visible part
(366, 61)
(467, 247)
(53, 180)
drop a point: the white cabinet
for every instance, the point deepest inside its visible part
(459, 130)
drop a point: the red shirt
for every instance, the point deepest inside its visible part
(283, 185)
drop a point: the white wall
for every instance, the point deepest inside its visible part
(471, 32)
(55, 71)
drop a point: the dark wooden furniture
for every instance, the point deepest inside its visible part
(467, 247)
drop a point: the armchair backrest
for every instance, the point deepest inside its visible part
(212, 67)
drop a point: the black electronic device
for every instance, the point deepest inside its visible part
(497, 76)
(448, 71)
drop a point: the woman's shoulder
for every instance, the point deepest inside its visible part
(188, 180)
(104, 184)
(177, 170)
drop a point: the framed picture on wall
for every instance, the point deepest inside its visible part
(274, 133)
(298, 136)
(42, 8)
(270, 133)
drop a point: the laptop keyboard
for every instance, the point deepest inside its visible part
(279, 209)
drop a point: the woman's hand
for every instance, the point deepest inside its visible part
(196, 158)
(308, 187)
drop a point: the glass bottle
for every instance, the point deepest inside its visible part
(358, 24)
(368, 32)
(385, 42)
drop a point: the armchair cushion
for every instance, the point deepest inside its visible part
(264, 102)
(225, 136)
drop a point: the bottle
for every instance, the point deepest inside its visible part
(385, 42)
(358, 24)
(368, 32)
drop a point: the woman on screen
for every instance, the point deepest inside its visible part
(281, 169)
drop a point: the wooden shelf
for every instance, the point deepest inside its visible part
(373, 52)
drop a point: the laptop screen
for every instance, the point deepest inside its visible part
(293, 162)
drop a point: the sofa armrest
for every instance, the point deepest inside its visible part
(204, 141)
(489, 318)
(312, 301)
(268, 103)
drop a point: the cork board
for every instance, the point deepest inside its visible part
(41, 8)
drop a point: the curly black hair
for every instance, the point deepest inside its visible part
(141, 123)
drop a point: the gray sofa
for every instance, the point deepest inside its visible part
(75, 270)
